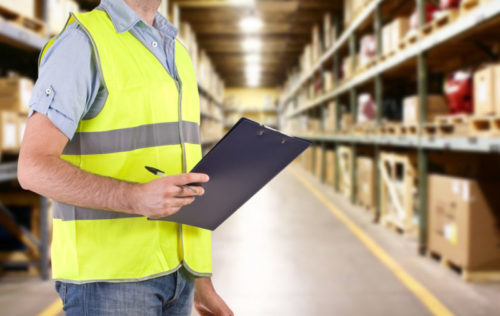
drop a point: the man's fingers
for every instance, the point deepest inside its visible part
(187, 178)
(190, 190)
(181, 201)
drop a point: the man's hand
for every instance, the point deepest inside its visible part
(207, 302)
(165, 196)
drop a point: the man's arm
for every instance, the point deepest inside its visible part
(41, 170)
(206, 300)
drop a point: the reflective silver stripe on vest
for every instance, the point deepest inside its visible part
(127, 139)
(68, 212)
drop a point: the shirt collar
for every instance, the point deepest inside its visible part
(124, 18)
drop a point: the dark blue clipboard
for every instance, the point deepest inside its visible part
(239, 165)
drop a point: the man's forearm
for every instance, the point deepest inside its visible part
(57, 179)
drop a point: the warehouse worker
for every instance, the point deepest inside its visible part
(117, 92)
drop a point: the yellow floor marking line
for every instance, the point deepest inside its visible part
(53, 309)
(427, 298)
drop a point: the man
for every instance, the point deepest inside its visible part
(117, 92)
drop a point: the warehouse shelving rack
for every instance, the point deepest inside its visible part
(289, 106)
(19, 38)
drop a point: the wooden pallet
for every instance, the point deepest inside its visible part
(466, 274)
(452, 125)
(399, 176)
(430, 130)
(468, 5)
(445, 18)
(411, 38)
(410, 129)
(486, 126)
(31, 24)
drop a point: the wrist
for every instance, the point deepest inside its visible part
(130, 193)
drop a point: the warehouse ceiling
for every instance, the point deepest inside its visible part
(286, 29)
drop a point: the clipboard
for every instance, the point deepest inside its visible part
(239, 165)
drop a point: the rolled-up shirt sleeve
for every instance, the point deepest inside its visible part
(68, 81)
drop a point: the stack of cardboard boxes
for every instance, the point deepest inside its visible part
(393, 33)
(464, 221)
(15, 94)
(366, 182)
(330, 167)
(352, 8)
(203, 67)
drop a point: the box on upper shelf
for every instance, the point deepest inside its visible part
(331, 117)
(316, 44)
(436, 105)
(486, 90)
(387, 39)
(15, 94)
(25, 8)
(399, 28)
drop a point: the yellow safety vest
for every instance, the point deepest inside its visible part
(149, 118)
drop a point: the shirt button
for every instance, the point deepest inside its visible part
(48, 91)
(155, 44)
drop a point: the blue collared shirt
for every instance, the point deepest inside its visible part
(69, 88)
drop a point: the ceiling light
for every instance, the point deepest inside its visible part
(253, 83)
(253, 68)
(242, 2)
(251, 24)
(252, 59)
(252, 44)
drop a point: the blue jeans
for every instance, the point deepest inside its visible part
(170, 295)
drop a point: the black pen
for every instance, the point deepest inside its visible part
(158, 172)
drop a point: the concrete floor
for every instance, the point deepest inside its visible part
(285, 253)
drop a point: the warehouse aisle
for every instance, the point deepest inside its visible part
(284, 253)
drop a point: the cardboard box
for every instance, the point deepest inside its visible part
(399, 27)
(366, 182)
(327, 30)
(436, 105)
(346, 121)
(314, 124)
(463, 221)
(15, 94)
(9, 140)
(387, 39)
(485, 95)
(318, 161)
(330, 166)
(316, 44)
(328, 78)
(25, 7)
(347, 68)
(331, 117)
